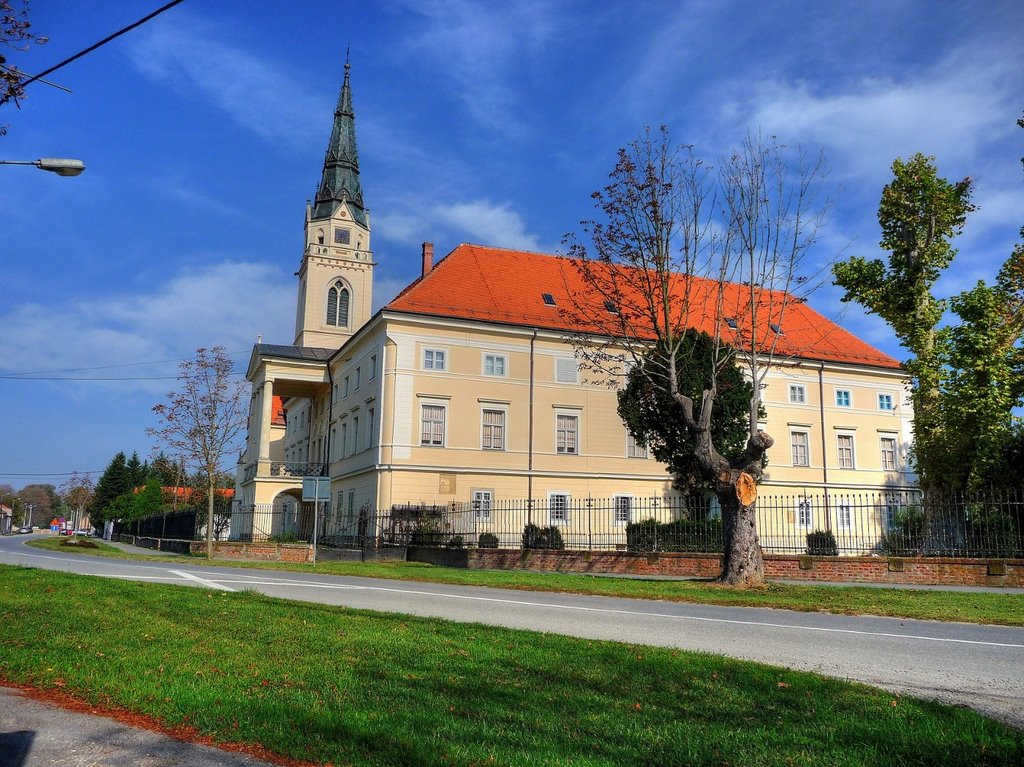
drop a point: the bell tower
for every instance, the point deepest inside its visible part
(336, 274)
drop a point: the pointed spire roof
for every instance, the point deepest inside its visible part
(340, 181)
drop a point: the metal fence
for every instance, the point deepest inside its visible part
(899, 523)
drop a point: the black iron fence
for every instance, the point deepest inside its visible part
(898, 523)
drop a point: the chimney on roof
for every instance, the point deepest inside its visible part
(428, 258)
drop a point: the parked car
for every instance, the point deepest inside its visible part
(84, 533)
(23, 530)
(67, 532)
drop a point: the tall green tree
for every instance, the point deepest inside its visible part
(149, 501)
(113, 483)
(654, 418)
(138, 472)
(919, 214)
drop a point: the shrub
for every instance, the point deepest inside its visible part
(487, 541)
(285, 537)
(455, 542)
(535, 537)
(906, 536)
(703, 536)
(821, 543)
(992, 534)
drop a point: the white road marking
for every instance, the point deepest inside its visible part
(197, 579)
(610, 611)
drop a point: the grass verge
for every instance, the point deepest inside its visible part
(341, 686)
(921, 604)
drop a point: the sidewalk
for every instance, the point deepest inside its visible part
(34, 734)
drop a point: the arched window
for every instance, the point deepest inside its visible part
(337, 305)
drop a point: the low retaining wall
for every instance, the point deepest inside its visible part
(259, 552)
(906, 571)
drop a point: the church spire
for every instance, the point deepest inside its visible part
(340, 181)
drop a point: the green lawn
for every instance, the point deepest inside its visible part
(345, 686)
(1003, 609)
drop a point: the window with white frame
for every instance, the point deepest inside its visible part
(432, 425)
(369, 427)
(558, 508)
(493, 426)
(888, 447)
(359, 378)
(622, 510)
(844, 444)
(344, 439)
(355, 434)
(885, 401)
(373, 366)
(344, 387)
(800, 444)
(797, 394)
(337, 305)
(633, 448)
(891, 512)
(494, 364)
(566, 370)
(804, 513)
(351, 504)
(567, 432)
(843, 398)
(482, 500)
(844, 516)
(434, 359)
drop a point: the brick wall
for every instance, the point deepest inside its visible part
(259, 552)
(921, 571)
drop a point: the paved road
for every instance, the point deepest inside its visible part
(34, 734)
(977, 666)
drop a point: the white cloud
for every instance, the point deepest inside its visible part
(222, 304)
(193, 57)
(952, 111)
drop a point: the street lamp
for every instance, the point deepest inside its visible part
(59, 165)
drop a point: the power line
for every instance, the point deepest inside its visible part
(49, 473)
(93, 47)
(109, 367)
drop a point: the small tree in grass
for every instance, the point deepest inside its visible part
(202, 419)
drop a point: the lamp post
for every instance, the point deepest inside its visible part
(59, 165)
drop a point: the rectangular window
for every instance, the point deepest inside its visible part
(843, 398)
(359, 378)
(566, 370)
(355, 434)
(482, 500)
(334, 393)
(373, 366)
(622, 512)
(344, 387)
(804, 514)
(844, 516)
(800, 444)
(494, 364)
(885, 402)
(434, 359)
(891, 510)
(369, 425)
(845, 444)
(633, 449)
(352, 504)
(432, 432)
(567, 433)
(558, 508)
(797, 394)
(344, 439)
(493, 437)
(888, 453)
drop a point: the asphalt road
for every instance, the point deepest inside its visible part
(964, 664)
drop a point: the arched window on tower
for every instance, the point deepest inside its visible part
(337, 305)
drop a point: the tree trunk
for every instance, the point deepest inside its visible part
(209, 518)
(742, 563)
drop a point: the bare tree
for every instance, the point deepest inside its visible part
(202, 420)
(78, 493)
(684, 247)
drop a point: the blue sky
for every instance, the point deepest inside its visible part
(204, 132)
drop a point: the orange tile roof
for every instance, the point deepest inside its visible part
(277, 417)
(487, 284)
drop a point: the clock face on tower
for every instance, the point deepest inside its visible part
(342, 236)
